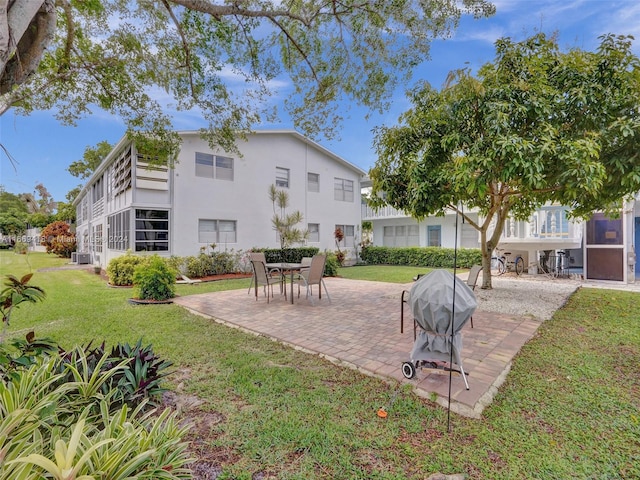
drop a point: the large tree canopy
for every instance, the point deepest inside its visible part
(537, 125)
(218, 57)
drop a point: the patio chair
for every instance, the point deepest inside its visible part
(266, 279)
(261, 258)
(472, 280)
(313, 276)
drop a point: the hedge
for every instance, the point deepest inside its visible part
(435, 257)
(289, 255)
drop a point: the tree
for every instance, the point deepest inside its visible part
(10, 201)
(537, 125)
(284, 223)
(13, 222)
(59, 239)
(91, 159)
(218, 58)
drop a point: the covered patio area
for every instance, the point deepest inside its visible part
(360, 329)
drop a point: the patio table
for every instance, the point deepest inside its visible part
(290, 267)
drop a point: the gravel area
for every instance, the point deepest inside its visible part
(536, 296)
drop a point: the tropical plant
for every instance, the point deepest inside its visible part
(46, 432)
(285, 223)
(17, 291)
(338, 235)
(153, 279)
(19, 354)
(58, 238)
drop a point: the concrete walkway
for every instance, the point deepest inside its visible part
(360, 328)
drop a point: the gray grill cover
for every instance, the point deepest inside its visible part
(431, 301)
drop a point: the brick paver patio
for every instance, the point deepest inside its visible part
(360, 328)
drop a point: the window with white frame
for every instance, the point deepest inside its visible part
(282, 177)
(97, 238)
(343, 190)
(152, 230)
(401, 236)
(348, 232)
(97, 190)
(118, 229)
(434, 236)
(313, 182)
(216, 231)
(214, 166)
(314, 232)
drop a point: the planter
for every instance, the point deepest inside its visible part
(97, 270)
(140, 301)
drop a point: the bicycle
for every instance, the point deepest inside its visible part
(503, 264)
(554, 266)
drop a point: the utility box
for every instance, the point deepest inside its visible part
(83, 258)
(74, 257)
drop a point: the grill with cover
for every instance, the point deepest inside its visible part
(440, 319)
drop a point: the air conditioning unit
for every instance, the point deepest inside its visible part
(83, 258)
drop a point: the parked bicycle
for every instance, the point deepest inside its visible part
(502, 264)
(554, 266)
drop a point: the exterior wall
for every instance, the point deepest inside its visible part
(246, 198)
(467, 236)
(189, 198)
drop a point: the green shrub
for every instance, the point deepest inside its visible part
(21, 248)
(223, 262)
(291, 255)
(120, 269)
(198, 266)
(331, 265)
(153, 279)
(435, 257)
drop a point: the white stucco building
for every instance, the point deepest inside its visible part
(212, 196)
(600, 248)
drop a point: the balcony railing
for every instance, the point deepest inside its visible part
(369, 213)
(546, 224)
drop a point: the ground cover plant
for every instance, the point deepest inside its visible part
(569, 407)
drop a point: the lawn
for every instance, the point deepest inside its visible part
(569, 407)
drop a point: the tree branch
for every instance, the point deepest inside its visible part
(185, 46)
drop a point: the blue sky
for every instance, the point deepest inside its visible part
(43, 148)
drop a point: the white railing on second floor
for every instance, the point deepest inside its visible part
(547, 223)
(369, 213)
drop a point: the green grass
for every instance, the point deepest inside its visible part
(569, 407)
(382, 273)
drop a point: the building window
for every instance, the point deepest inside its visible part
(314, 232)
(216, 231)
(313, 182)
(343, 190)
(349, 233)
(97, 238)
(152, 230)
(434, 236)
(118, 231)
(214, 166)
(401, 236)
(413, 236)
(282, 177)
(97, 190)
